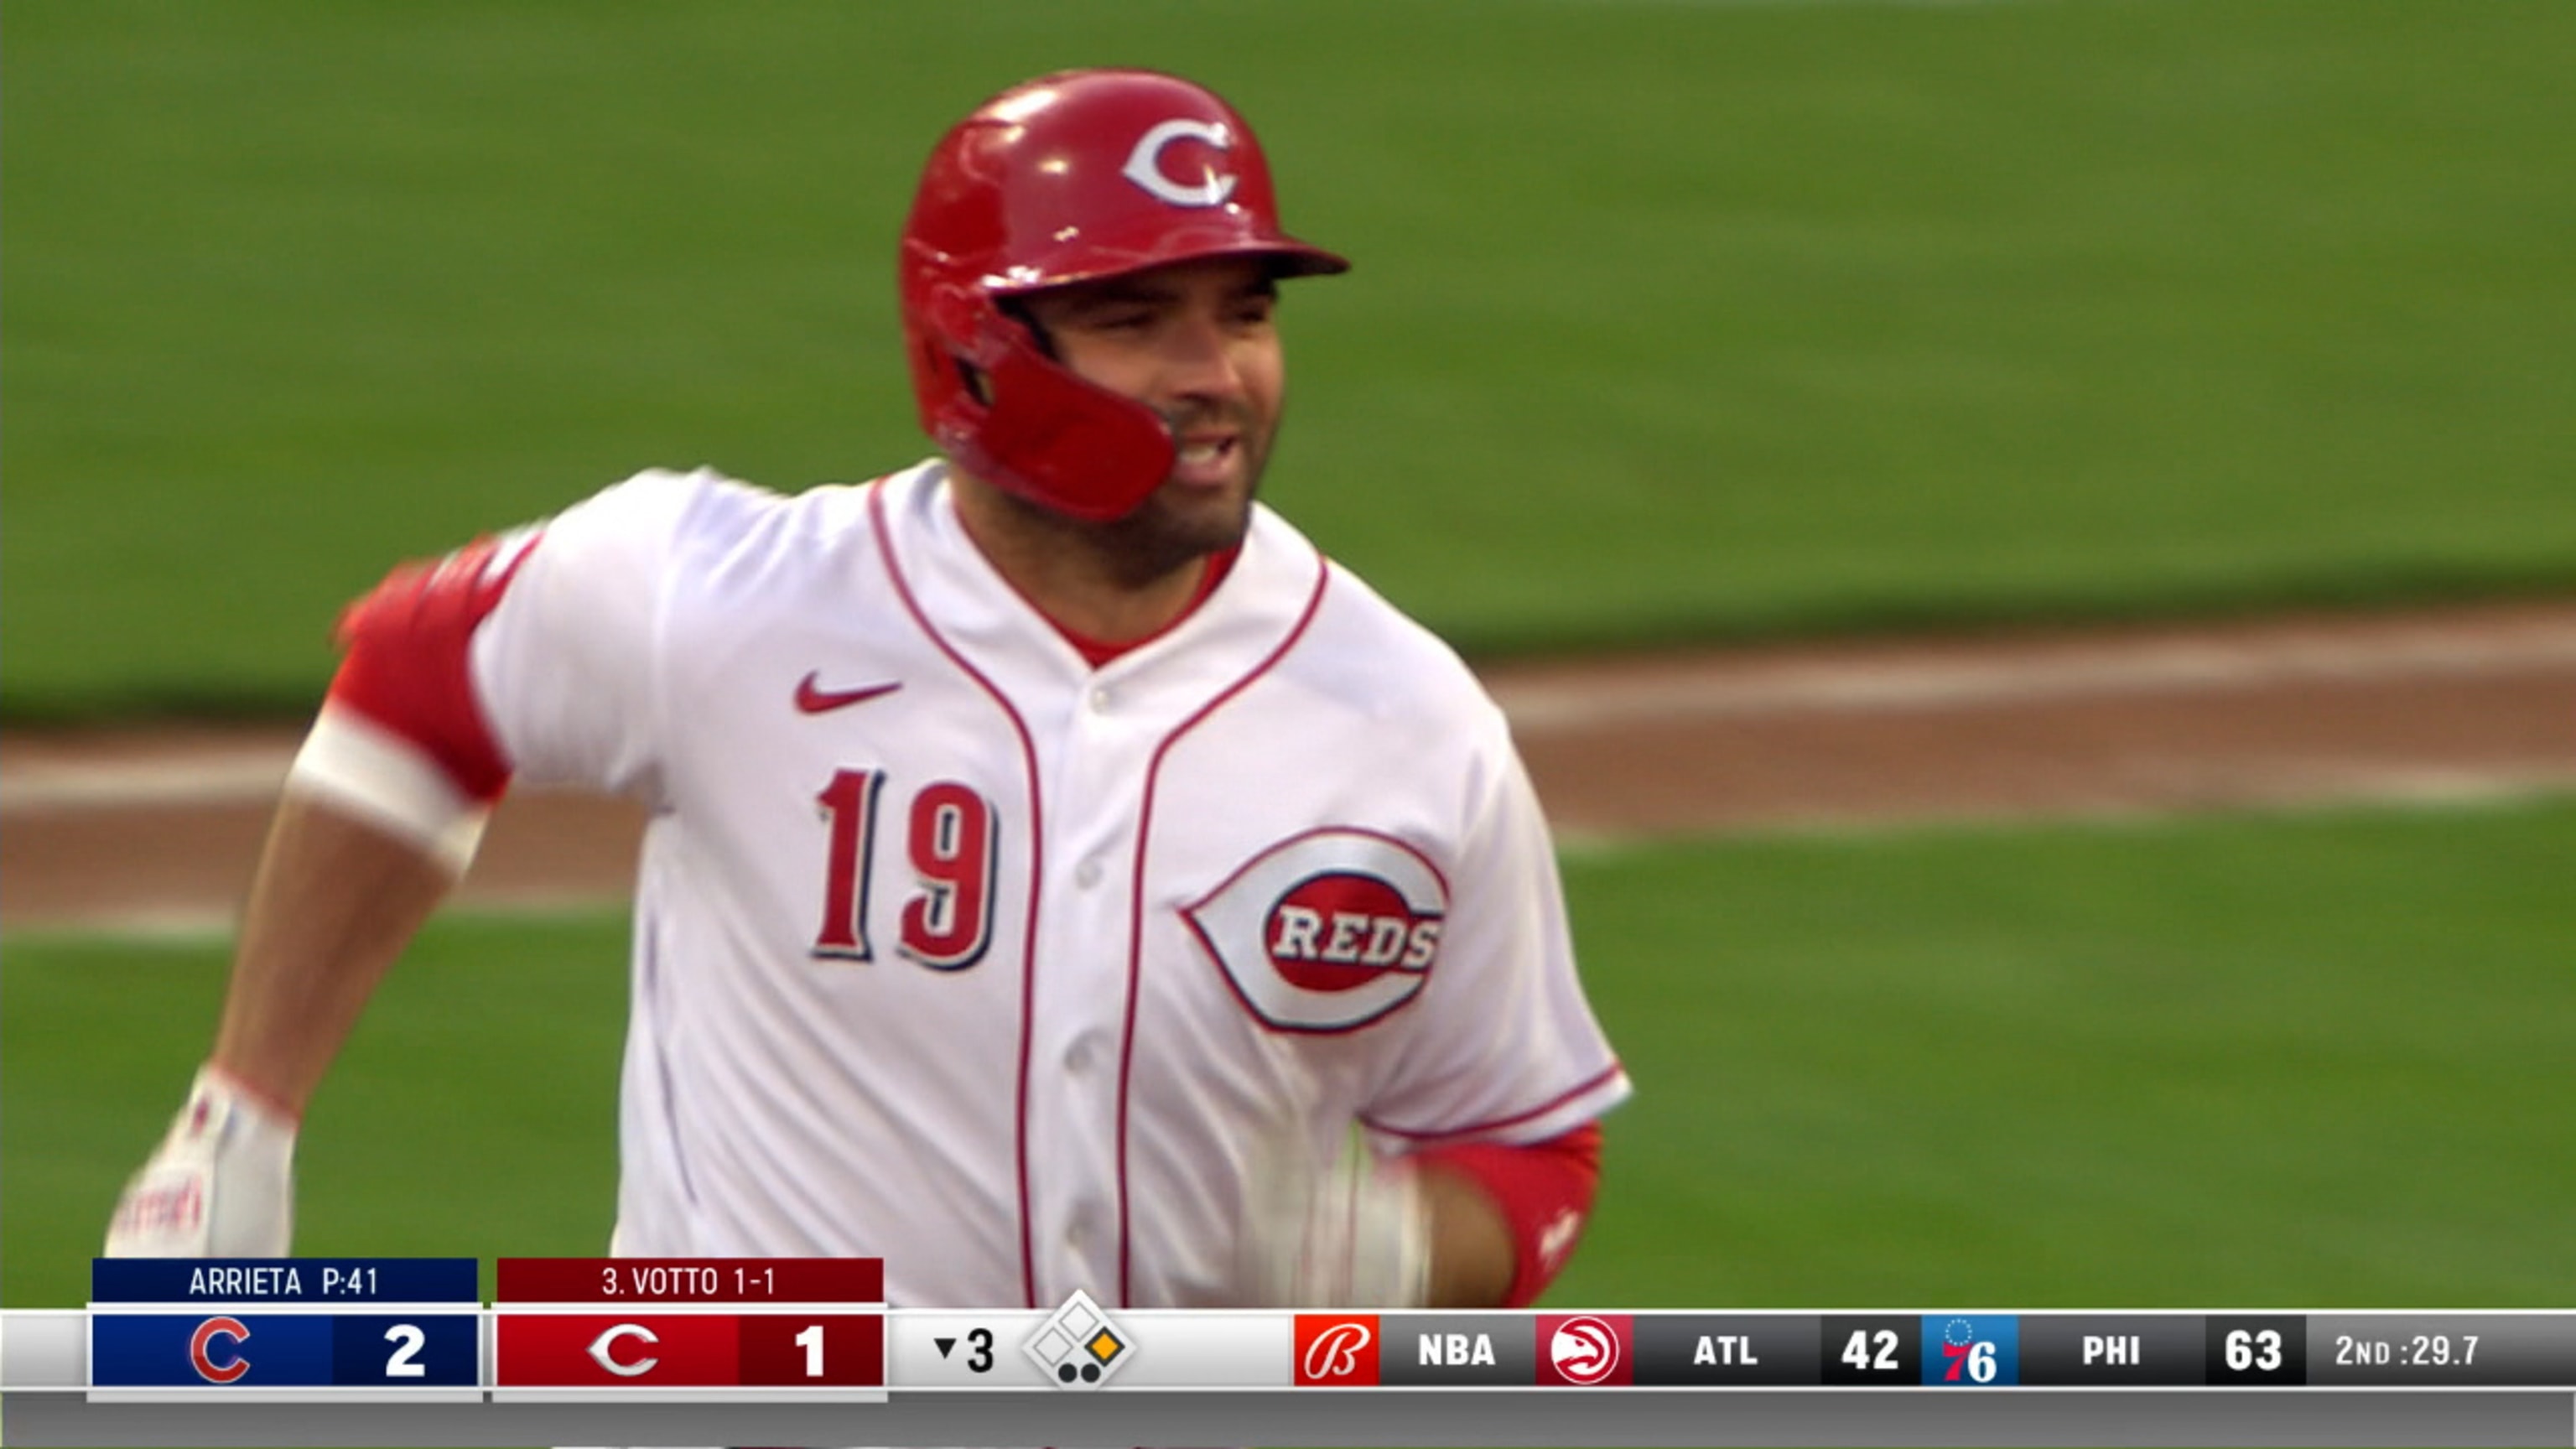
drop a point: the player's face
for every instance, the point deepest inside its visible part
(1194, 341)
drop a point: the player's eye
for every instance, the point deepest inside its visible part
(1254, 309)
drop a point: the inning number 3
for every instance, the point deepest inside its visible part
(950, 841)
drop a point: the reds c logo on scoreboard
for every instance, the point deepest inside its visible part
(1327, 931)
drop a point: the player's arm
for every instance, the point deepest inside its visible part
(1470, 1242)
(1478, 1224)
(543, 639)
(380, 815)
(1505, 1217)
(335, 901)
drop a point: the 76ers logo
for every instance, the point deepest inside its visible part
(1327, 931)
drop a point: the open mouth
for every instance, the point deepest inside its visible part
(1206, 459)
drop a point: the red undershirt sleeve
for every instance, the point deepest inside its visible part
(406, 665)
(1544, 1191)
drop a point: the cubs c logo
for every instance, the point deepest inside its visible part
(1328, 931)
(1145, 163)
(224, 1336)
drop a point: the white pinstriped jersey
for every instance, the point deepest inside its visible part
(952, 949)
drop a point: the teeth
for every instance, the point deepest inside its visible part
(1201, 452)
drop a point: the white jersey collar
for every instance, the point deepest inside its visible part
(962, 600)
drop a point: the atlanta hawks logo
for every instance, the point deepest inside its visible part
(1327, 931)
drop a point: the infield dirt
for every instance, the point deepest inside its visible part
(160, 826)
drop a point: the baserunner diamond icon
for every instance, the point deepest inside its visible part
(1078, 1347)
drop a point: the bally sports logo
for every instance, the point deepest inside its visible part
(1326, 931)
(1336, 1352)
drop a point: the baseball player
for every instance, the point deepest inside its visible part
(1055, 862)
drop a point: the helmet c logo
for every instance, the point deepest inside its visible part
(1145, 164)
(603, 1354)
(201, 1345)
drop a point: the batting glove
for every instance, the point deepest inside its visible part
(221, 1185)
(1355, 1235)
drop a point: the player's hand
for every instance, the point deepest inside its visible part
(221, 1185)
(1355, 1234)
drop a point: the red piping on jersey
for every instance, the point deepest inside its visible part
(1499, 1123)
(1136, 890)
(1037, 874)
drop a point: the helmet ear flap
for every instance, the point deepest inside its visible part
(1022, 421)
(961, 319)
(960, 332)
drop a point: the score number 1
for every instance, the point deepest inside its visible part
(787, 1350)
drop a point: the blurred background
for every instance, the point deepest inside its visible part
(1674, 324)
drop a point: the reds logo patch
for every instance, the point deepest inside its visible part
(1328, 931)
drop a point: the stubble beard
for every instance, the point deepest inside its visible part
(1177, 525)
(1180, 523)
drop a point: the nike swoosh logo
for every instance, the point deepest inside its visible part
(813, 698)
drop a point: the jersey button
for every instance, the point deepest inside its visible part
(1087, 874)
(1101, 699)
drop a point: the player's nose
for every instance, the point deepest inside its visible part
(1200, 360)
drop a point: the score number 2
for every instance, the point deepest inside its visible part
(404, 1362)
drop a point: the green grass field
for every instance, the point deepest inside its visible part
(1671, 320)
(2316, 1061)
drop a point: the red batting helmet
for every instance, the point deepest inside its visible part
(1070, 178)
